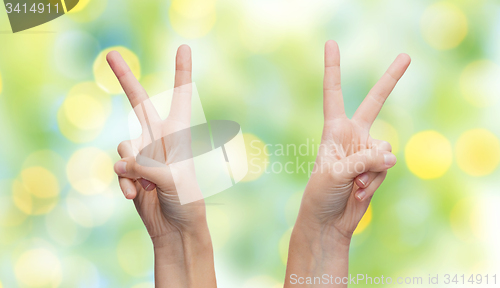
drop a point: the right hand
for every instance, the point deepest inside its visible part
(152, 186)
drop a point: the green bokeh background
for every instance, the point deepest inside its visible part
(258, 63)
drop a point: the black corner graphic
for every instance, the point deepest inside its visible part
(70, 4)
(26, 14)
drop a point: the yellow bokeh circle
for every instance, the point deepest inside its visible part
(428, 154)
(36, 191)
(193, 9)
(84, 112)
(90, 170)
(87, 10)
(365, 221)
(480, 83)
(38, 268)
(257, 156)
(82, 4)
(384, 131)
(40, 182)
(10, 214)
(50, 160)
(105, 77)
(478, 152)
(192, 18)
(191, 28)
(444, 26)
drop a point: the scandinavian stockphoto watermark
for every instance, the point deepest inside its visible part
(292, 158)
(203, 157)
(365, 279)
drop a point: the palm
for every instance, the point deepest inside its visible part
(343, 137)
(164, 151)
(347, 135)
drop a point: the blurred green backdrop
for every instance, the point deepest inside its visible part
(65, 223)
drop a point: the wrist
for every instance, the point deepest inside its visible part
(184, 258)
(177, 249)
(193, 236)
(324, 236)
(311, 222)
(315, 251)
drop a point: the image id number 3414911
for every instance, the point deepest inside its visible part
(34, 8)
(473, 279)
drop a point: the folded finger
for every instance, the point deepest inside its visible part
(363, 194)
(125, 150)
(147, 176)
(128, 187)
(381, 145)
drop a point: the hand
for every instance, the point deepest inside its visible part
(349, 167)
(154, 191)
(183, 248)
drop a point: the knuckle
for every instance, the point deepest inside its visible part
(385, 146)
(125, 149)
(365, 157)
(132, 167)
(121, 148)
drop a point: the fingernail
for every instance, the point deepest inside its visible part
(127, 192)
(361, 195)
(389, 159)
(363, 179)
(145, 184)
(121, 167)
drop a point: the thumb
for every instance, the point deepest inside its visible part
(129, 168)
(367, 160)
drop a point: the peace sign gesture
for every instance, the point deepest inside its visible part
(183, 248)
(350, 165)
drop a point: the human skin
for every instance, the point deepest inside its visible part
(182, 244)
(349, 168)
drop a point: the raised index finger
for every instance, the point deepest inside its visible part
(373, 102)
(133, 89)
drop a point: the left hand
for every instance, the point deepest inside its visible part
(350, 165)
